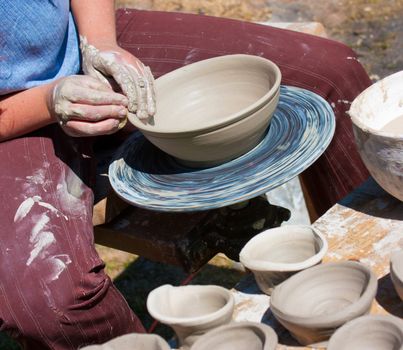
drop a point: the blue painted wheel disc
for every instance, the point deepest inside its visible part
(300, 130)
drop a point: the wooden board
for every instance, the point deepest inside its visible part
(367, 226)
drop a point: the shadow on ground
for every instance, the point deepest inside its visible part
(142, 276)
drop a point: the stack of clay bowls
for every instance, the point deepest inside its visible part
(370, 332)
(215, 110)
(396, 272)
(276, 254)
(191, 310)
(315, 302)
(377, 116)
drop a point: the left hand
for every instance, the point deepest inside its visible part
(133, 77)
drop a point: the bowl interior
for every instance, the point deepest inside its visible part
(212, 92)
(238, 336)
(379, 108)
(189, 301)
(369, 332)
(323, 290)
(279, 247)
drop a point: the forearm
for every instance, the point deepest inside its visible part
(24, 112)
(95, 20)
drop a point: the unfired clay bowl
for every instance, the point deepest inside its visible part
(316, 301)
(133, 341)
(191, 310)
(370, 332)
(214, 110)
(377, 116)
(277, 253)
(396, 272)
(238, 336)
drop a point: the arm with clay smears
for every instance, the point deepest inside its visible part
(102, 56)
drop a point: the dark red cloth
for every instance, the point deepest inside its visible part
(54, 293)
(166, 41)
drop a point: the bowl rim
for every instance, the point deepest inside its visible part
(355, 309)
(268, 266)
(356, 120)
(348, 328)
(267, 98)
(195, 320)
(271, 338)
(395, 269)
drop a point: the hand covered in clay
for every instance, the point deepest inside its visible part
(134, 79)
(84, 106)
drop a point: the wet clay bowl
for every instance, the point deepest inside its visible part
(277, 253)
(396, 272)
(377, 116)
(133, 341)
(214, 110)
(314, 302)
(370, 332)
(238, 336)
(191, 310)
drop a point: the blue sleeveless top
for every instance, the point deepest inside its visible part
(38, 43)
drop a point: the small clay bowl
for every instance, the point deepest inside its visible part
(133, 341)
(277, 253)
(396, 272)
(214, 110)
(191, 310)
(238, 336)
(377, 116)
(370, 332)
(314, 302)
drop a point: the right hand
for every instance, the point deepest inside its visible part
(84, 106)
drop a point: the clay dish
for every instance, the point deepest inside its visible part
(238, 336)
(370, 332)
(133, 341)
(314, 302)
(377, 115)
(191, 310)
(277, 253)
(214, 110)
(396, 272)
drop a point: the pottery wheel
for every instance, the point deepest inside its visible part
(300, 130)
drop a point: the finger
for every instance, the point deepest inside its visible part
(125, 80)
(151, 101)
(94, 82)
(140, 84)
(82, 128)
(87, 95)
(96, 113)
(98, 76)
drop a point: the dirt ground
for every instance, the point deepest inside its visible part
(373, 28)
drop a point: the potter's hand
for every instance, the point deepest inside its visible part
(84, 106)
(134, 79)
